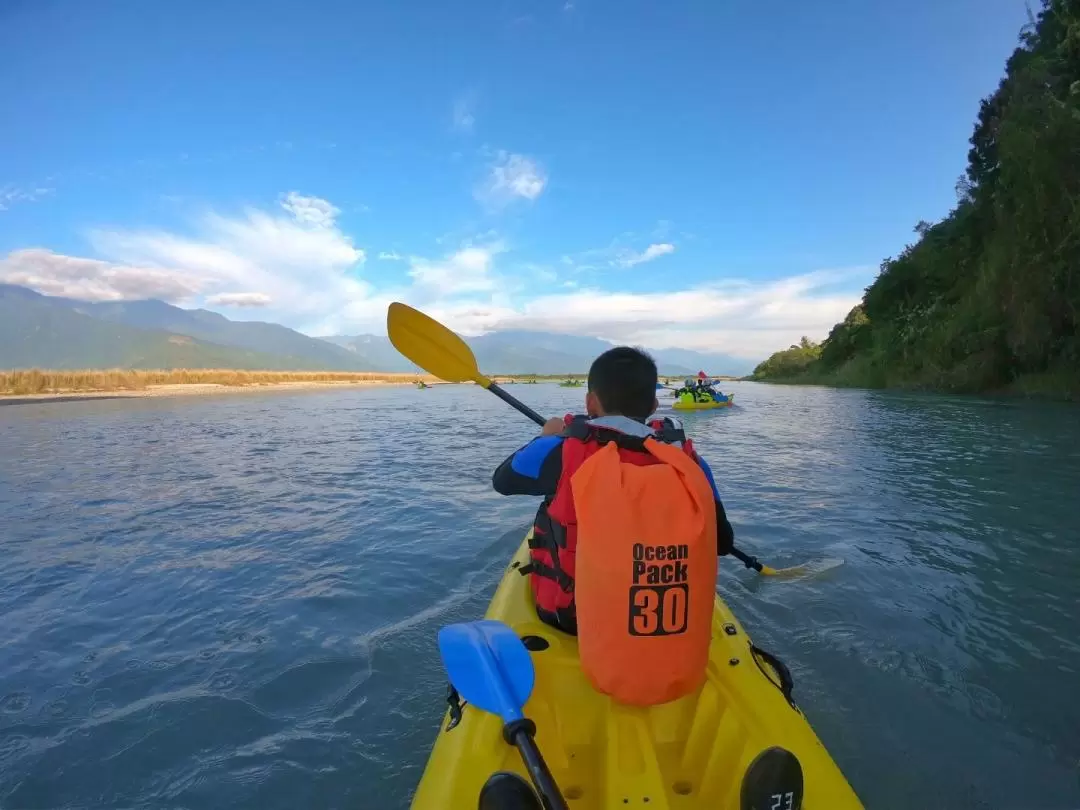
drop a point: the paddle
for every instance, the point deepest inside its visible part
(444, 354)
(491, 669)
(752, 562)
(441, 352)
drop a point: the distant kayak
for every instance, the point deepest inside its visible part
(422, 385)
(740, 734)
(571, 384)
(687, 404)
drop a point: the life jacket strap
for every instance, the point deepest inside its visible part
(549, 572)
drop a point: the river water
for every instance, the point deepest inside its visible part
(232, 601)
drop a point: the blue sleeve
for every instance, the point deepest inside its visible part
(708, 474)
(529, 460)
(725, 534)
(533, 470)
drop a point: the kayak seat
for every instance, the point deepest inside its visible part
(508, 791)
(774, 781)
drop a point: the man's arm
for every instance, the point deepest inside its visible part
(725, 535)
(532, 470)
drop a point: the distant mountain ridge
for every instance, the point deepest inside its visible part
(37, 331)
(268, 338)
(523, 352)
(45, 331)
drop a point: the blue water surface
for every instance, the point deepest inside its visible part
(231, 601)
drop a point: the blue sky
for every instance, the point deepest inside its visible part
(715, 174)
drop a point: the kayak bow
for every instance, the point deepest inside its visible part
(716, 749)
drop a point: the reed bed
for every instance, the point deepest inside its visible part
(38, 381)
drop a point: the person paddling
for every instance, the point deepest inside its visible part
(621, 397)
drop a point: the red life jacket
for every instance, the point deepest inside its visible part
(553, 544)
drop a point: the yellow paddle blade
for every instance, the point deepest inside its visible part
(804, 570)
(431, 345)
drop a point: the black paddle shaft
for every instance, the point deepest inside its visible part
(746, 559)
(514, 402)
(550, 794)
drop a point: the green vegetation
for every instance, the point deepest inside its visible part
(988, 299)
(790, 362)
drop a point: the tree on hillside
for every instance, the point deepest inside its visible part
(991, 293)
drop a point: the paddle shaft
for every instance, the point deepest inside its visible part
(514, 402)
(550, 794)
(747, 560)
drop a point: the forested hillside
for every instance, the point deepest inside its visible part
(988, 298)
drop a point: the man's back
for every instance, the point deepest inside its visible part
(545, 467)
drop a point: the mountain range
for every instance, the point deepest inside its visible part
(43, 331)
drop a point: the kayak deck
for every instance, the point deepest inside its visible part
(690, 753)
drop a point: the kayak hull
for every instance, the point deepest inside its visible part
(703, 406)
(690, 753)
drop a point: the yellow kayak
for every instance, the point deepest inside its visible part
(685, 405)
(690, 753)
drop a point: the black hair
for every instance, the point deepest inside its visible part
(624, 379)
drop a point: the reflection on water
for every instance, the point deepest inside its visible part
(232, 601)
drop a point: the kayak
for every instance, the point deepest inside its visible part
(681, 405)
(691, 753)
(570, 384)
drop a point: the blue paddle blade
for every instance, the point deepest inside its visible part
(489, 666)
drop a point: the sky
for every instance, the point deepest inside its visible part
(719, 175)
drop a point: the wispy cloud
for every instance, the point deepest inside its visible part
(511, 177)
(310, 210)
(654, 251)
(96, 280)
(244, 299)
(391, 256)
(466, 271)
(298, 260)
(12, 195)
(464, 118)
(296, 266)
(745, 319)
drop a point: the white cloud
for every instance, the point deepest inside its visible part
(744, 319)
(511, 177)
(310, 210)
(630, 258)
(300, 262)
(464, 117)
(467, 270)
(95, 280)
(10, 195)
(391, 256)
(244, 299)
(297, 267)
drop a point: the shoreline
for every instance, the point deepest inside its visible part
(198, 389)
(1021, 390)
(210, 388)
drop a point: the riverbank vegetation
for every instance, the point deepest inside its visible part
(987, 299)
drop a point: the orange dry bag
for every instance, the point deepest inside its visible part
(646, 574)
